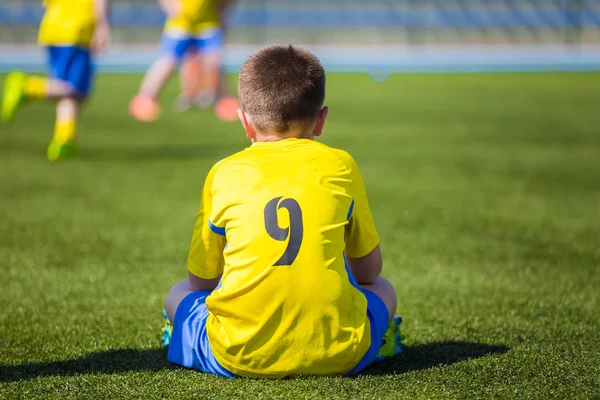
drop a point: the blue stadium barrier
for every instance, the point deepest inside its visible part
(446, 14)
(409, 15)
(379, 62)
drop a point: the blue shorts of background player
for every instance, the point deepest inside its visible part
(189, 345)
(177, 45)
(72, 65)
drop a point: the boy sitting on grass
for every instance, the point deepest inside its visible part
(284, 264)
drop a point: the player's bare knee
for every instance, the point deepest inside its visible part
(177, 293)
(388, 294)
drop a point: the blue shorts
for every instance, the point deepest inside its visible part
(73, 65)
(379, 319)
(189, 346)
(177, 46)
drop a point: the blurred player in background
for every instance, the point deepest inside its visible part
(194, 33)
(70, 31)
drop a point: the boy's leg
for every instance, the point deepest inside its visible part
(209, 78)
(201, 79)
(144, 106)
(177, 293)
(386, 292)
(214, 90)
(189, 79)
(392, 339)
(20, 88)
(73, 67)
(63, 144)
(71, 74)
(13, 95)
(227, 105)
(188, 342)
(157, 76)
(381, 307)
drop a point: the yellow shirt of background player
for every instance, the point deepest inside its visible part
(67, 23)
(275, 220)
(195, 16)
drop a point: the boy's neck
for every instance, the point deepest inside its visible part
(275, 137)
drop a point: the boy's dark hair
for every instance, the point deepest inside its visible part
(281, 86)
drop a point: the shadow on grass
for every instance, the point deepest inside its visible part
(429, 355)
(106, 362)
(117, 361)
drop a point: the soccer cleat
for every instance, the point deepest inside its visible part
(226, 108)
(392, 340)
(144, 108)
(13, 95)
(183, 104)
(166, 331)
(62, 151)
(205, 99)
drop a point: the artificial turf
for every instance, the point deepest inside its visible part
(485, 190)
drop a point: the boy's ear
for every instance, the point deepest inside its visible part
(321, 117)
(246, 123)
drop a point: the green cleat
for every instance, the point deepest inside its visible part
(13, 96)
(167, 331)
(392, 345)
(62, 151)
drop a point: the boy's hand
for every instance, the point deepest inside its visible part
(173, 11)
(172, 8)
(102, 37)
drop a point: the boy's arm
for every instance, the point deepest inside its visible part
(205, 258)
(102, 34)
(224, 7)
(366, 269)
(362, 252)
(203, 284)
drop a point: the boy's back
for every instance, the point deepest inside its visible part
(195, 16)
(67, 22)
(287, 303)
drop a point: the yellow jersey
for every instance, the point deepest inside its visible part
(195, 16)
(276, 220)
(67, 23)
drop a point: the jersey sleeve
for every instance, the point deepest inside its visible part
(205, 258)
(361, 234)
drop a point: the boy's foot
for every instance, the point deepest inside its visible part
(226, 108)
(62, 151)
(204, 100)
(166, 331)
(144, 108)
(392, 345)
(13, 95)
(183, 104)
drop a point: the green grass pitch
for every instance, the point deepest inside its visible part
(485, 190)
